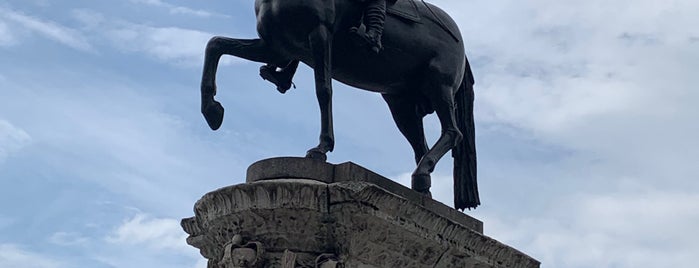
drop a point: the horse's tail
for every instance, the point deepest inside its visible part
(465, 184)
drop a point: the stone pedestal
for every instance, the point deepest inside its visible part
(298, 212)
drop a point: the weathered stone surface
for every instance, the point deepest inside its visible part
(291, 168)
(343, 216)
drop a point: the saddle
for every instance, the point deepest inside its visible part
(413, 11)
(404, 9)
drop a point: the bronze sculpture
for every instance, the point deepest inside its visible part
(421, 69)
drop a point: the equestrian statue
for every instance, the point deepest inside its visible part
(409, 51)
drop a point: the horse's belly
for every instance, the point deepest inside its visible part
(392, 69)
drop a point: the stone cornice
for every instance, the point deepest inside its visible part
(342, 210)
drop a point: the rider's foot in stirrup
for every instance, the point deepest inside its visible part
(367, 38)
(280, 78)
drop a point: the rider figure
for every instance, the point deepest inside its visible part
(374, 18)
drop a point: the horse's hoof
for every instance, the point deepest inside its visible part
(213, 113)
(425, 193)
(421, 183)
(313, 154)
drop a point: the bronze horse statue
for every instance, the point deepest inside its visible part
(422, 69)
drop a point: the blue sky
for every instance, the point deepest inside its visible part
(586, 125)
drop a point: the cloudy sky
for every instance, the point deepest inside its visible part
(586, 113)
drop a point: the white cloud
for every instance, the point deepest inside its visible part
(174, 9)
(613, 84)
(169, 44)
(607, 79)
(154, 233)
(179, 46)
(7, 38)
(12, 139)
(14, 256)
(48, 29)
(90, 19)
(68, 239)
(101, 131)
(142, 238)
(640, 229)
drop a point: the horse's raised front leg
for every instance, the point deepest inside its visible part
(321, 43)
(250, 49)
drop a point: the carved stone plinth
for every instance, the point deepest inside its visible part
(298, 212)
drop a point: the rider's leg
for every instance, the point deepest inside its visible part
(374, 20)
(282, 78)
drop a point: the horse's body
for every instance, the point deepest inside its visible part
(422, 69)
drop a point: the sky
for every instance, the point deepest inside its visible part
(585, 112)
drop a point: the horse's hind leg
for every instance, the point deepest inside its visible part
(442, 98)
(250, 49)
(409, 122)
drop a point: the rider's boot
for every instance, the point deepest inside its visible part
(374, 20)
(281, 78)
